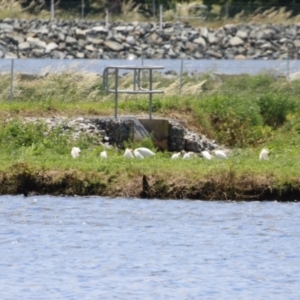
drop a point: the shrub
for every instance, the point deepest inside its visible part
(275, 108)
(15, 134)
(246, 83)
(235, 121)
(34, 138)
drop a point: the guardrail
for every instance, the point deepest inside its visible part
(137, 88)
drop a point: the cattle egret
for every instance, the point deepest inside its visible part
(145, 151)
(188, 155)
(206, 155)
(220, 154)
(106, 145)
(128, 153)
(264, 154)
(75, 152)
(103, 154)
(137, 154)
(176, 155)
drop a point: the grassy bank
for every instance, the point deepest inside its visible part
(244, 113)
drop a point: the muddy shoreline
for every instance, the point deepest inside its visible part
(227, 186)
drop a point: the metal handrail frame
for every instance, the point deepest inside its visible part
(137, 88)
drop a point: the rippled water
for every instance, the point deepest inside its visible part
(100, 248)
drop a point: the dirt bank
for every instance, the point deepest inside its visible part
(226, 185)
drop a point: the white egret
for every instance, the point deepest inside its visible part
(106, 145)
(220, 154)
(188, 155)
(103, 154)
(206, 155)
(176, 155)
(264, 154)
(75, 152)
(128, 153)
(137, 154)
(144, 151)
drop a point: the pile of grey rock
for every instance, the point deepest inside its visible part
(110, 132)
(90, 39)
(181, 138)
(102, 131)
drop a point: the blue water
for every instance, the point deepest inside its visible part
(100, 248)
(42, 66)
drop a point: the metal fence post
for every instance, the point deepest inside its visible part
(153, 8)
(106, 18)
(287, 62)
(180, 80)
(160, 16)
(10, 8)
(52, 10)
(116, 92)
(82, 9)
(11, 95)
(177, 12)
(288, 65)
(142, 61)
(150, 94)
(226, 10)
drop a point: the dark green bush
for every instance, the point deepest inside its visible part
(16, 134)
(274, 108)
(35, 139)
(234, 121)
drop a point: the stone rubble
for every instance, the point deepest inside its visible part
(62, 39)
(110, 132)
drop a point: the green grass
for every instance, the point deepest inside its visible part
(283, 167)
(237, 110)
(244, 113)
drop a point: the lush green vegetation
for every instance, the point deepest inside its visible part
(244, 113)
(94, 6)
(210, 13)
(238, 111)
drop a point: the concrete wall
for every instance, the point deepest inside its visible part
(159, 129)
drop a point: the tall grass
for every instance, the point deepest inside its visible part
(32, 159)
(130, 11)
(237, 110)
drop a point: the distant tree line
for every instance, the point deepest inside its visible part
(254, 2)
(145, 6)
(235, 6)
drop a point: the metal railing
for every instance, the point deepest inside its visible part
(180, 68)
(137, 88)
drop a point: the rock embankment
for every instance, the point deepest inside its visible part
(89, 39)
(111, 132)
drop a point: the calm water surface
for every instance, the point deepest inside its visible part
(226, 66)
(100, 248)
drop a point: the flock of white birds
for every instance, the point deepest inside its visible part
(142, 152)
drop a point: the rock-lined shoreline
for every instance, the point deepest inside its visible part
(115, 132)
(81, 39)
